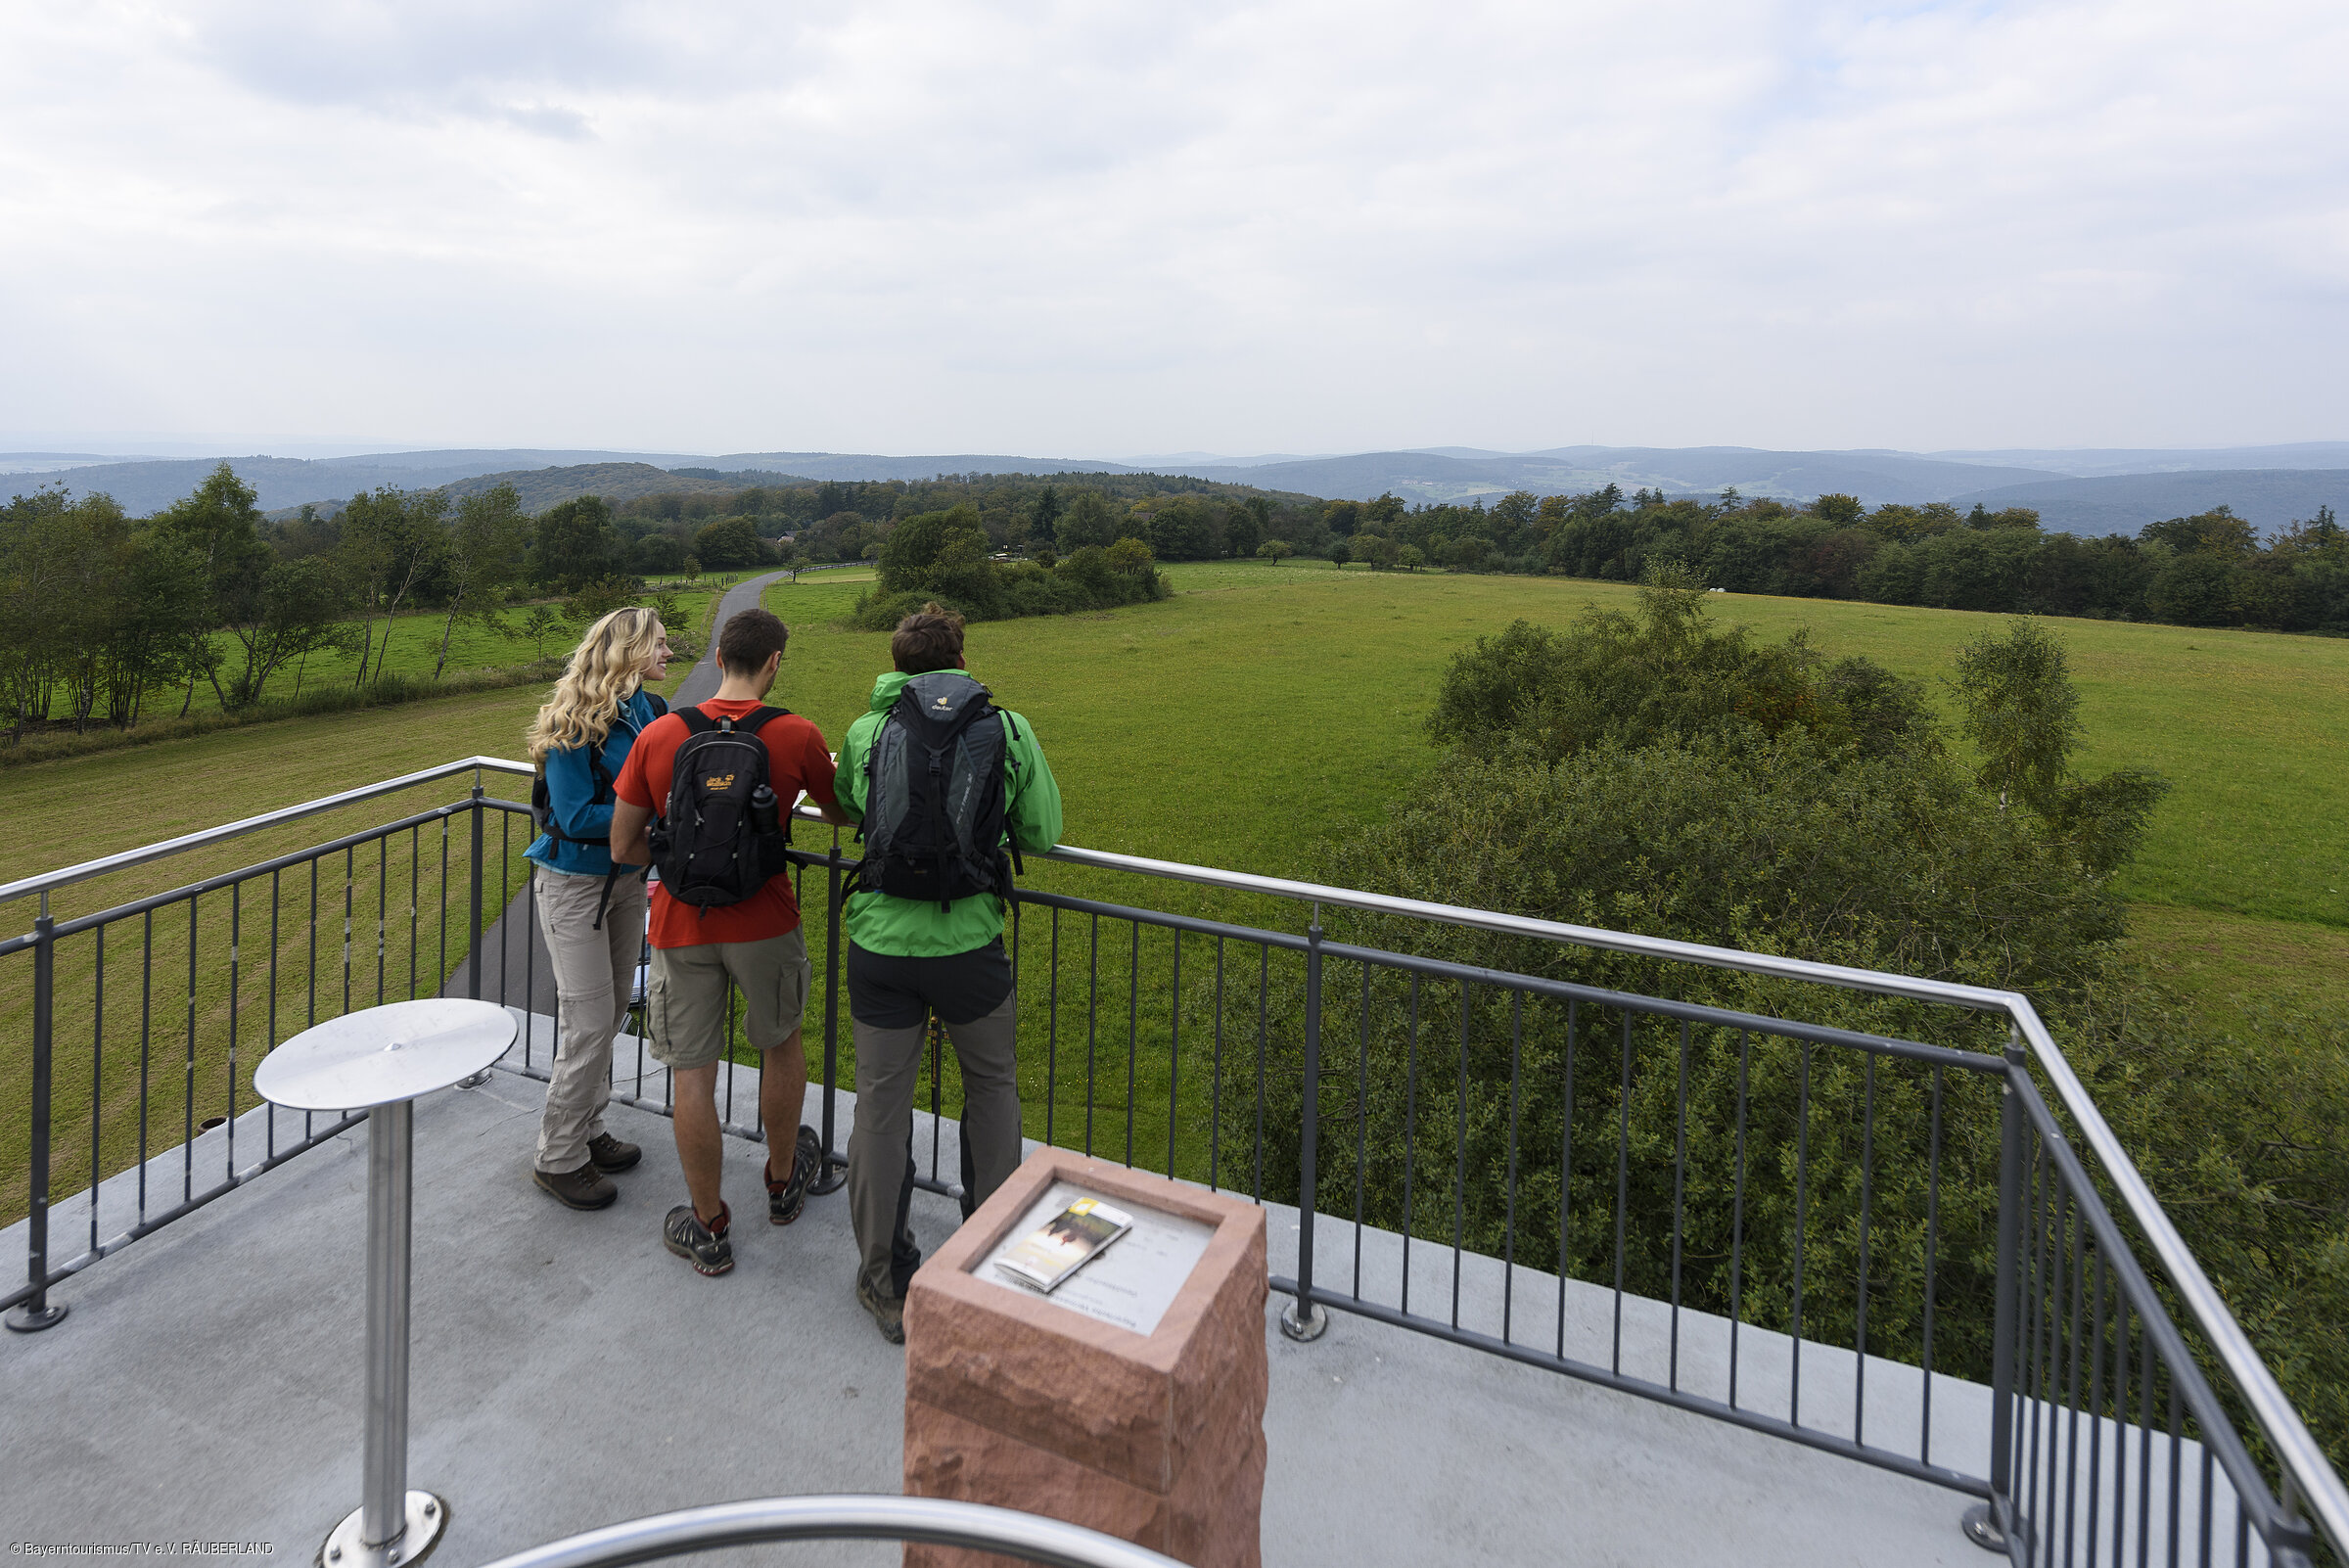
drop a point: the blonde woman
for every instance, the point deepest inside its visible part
(590, 910)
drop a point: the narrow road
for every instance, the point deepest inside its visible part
(502, 944)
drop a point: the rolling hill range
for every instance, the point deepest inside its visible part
(2122, 503)
(2091, 491)
(280, 482)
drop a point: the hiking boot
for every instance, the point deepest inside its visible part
(706, 1247)
(584, 1188)
(787, 1197)
(888, 1312)
(609, 1155)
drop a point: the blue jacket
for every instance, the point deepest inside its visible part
(571, 795)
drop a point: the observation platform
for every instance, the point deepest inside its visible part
(568, 1372)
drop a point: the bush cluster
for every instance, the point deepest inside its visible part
(944, 556)
(1657, 773)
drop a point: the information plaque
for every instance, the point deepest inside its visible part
(1135, 1281)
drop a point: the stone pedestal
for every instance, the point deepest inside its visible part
(1016, 1399)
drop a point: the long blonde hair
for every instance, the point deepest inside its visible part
(603, 671)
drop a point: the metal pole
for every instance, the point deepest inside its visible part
(1994, 1525)
(472, 975)
(39, 1312)
(834, 1175)
(390, 1192)
(1304, 1321)
(392, 1526)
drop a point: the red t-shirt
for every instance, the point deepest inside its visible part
(796, 760)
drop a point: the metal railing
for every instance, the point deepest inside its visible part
(932, 1521)
(1897, 1251)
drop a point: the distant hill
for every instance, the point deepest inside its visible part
(871, 466)
(2270, 498)
(1459, 474)
(2088, 462)
(544, 488)
(280, 482)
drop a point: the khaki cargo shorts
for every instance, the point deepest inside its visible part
(686, 1009)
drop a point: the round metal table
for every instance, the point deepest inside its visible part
(379, 1060)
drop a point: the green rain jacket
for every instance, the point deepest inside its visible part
(913, 928)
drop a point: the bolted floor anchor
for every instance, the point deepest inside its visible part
(1982, 1528)
(32, 1320)
(1303, 1328)
(427, 1516)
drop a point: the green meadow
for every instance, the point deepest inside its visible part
(1243, 724)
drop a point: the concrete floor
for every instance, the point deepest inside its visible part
(569, 1373)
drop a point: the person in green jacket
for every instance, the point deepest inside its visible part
(909, 958)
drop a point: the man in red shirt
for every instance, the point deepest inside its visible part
(755, 943)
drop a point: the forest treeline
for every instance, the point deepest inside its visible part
(2211, 570)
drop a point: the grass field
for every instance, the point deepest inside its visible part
(1241, 723)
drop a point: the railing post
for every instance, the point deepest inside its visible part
(473, 978)
(1305, 1320)
(835, 1173)
(1994, 1525)
(39, 1312)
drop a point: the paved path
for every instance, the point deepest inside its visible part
(502, 946)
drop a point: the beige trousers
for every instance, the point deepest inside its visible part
(594, 972)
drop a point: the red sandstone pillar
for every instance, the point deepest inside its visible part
(1025, 1401)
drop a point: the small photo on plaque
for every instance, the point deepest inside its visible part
(1069, 1240)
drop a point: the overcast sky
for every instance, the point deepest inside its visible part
(1094, 229)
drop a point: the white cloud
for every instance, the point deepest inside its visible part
(1084, 228)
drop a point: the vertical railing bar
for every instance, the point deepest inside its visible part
(383, 911)
(1925, 1441)
(1566, 1176)
(269, 1117)
(146, 1042)
(236, 985)
(1263, 996)
(1737, 1220)
(1133, 1021)
(1361, 1127)
(1802, 1220)
(350, 884)
(1459, 1172)
(2177, 1464)
(2144, 1446)
(1509, 1231)
(1173, 1055)
(2071, 1396)
(1410, 1127)
(2202, 1543)
(98, 1076)
(2095, 1413)
(187, 1095)
(1052, 1035)
(505, 901)
(1868, 1172)
(1093, 1016)
(415, 900)
(1680, 1174)
(2042, 1261)
(1215, 1086)
(1623, 1190)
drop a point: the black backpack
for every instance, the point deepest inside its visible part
(933, 802)
(709, 852)
(542, 807)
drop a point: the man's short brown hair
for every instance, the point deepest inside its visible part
(751, 638)
(930, 638)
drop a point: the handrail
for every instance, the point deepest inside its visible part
(937, 1521)
(2296, 1449)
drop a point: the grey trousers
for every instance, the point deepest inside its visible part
(880, 1160)
(594, 971)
